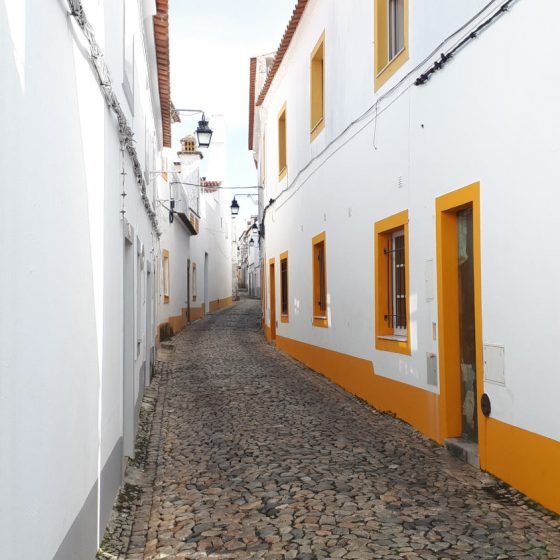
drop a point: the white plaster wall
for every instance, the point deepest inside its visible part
(213, 238)
(61, 368)
(489, 116)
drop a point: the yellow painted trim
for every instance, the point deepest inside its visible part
(319, 320)
(319, 127)
(221, 303)
(447, 207)
(284, 317)
(272, 296)
(318, 124)
(197, 313)
(525, 460)
(383, 70)
(282, 143)
(382, 228)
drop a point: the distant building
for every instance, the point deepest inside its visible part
(410, 205)
(248, 259)
(196, 240)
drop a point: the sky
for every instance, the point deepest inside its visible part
(211, 43)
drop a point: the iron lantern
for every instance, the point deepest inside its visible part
(234, 208)
(204, 133)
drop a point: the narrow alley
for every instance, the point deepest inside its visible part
(251, 455)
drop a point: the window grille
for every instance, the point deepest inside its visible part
(396, 283)
(322, 299)
(284, 285)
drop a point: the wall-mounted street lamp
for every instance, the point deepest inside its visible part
(235, 205)
(234, 208)
(203, 131)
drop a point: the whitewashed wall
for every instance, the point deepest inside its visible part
(213, 238)
(489, 116)
(61, 235)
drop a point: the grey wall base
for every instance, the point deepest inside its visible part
(80, 543)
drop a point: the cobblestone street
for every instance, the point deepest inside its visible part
(247, 454)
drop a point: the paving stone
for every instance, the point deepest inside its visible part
(245, 453)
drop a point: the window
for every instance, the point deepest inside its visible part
(396, 298)
(317, 89)
(395, 28)
(391, 38)
(194, 282)
(282, 150)
(284, 305)
(165, 266)
(128, 53)
(320, 318)
(392, 316)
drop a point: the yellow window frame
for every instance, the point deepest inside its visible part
(385, 68)
(284, 317)
(320, 317)
(317, 88)
(383, 231)
(282, 144)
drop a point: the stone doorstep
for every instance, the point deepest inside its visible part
(464, 450)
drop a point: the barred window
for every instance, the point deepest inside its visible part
(396, 283)
(392, 313)
(284, 286)
(319, 282)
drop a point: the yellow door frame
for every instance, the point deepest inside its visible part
(272, 292)
(447, 207)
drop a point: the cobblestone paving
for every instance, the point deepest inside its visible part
(258, 457)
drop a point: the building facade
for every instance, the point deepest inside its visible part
(406, 160)
(85, 97)
(249, 267)
(196, 241)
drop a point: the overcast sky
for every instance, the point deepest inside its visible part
(211, 43)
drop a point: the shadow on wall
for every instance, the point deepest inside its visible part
(50, 415)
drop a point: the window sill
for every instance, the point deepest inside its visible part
(390, 68)
(399, 338)
(317, 129)
(393, 343)
(320, 322)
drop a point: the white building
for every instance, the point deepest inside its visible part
(410, 151)
(196, 245)
(85, 113)
(249, 265)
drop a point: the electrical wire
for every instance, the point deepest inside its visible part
(215, 188)
(378, 112)
(126, 135)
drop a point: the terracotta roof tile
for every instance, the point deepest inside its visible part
(161, 33)
(284, 44)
